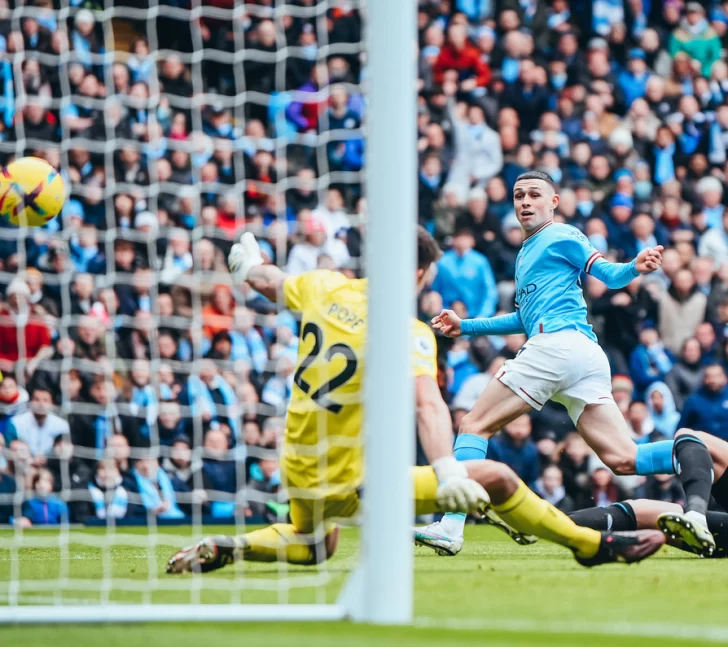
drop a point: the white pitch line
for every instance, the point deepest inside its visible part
(715, 634)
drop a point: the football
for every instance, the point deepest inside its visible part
(32, 192)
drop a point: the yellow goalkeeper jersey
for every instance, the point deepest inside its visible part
(322, 451)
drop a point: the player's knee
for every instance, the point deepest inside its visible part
(620, 465)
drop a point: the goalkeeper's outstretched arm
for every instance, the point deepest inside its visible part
(246, 265)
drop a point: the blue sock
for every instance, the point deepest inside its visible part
(468, 447)
(655, 458)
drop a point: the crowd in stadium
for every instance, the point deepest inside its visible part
(120, 316)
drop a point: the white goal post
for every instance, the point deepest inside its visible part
(380, 589)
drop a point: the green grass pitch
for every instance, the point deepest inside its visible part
(494, 593)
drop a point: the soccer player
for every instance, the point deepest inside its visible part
(668, 517)
(562, 361)
(322, 450)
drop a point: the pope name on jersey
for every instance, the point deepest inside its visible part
(322, 453)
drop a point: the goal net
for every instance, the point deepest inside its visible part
(144, 396)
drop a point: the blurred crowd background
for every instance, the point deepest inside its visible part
(139, 382)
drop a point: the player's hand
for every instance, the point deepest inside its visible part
(244, 256)
(448, 323)
(650, 259)
(456, 492)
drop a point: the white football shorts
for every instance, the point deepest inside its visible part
(565, 367)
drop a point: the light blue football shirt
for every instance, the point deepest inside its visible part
(549, 296)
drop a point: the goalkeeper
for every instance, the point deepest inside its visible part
(322, 456)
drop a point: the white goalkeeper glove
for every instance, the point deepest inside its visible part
(455, 491)
(244, 256)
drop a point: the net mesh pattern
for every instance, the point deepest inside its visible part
(176, 126)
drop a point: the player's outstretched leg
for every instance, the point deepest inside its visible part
(528, 513)
(279, 542)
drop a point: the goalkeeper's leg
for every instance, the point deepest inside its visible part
(302, 542)
(280, 542)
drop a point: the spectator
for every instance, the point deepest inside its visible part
(34, 345)
(623, 311)
(248, 344)
(155, 488)
(665, 487)
(220, 473)
(13, 402)
(462, 57)
(7, 490)
(713, 242)
(473, 386)
(640, 423)
(344, 155)
(304, 256)
(707, 408)
(119, 449)
(39, 426)
(465, 275)
(663, 412)
(277, 390)
(170, 424)
(478, 151)
(633, 81)
(687, 375)
(574, 465)
(143, 399)
(650, 361)
(44, 508)
(604, 490)
(431, 181)
(93, 430)
(514, 447)
(705, 334)
(551, 488)
(265, 481)
(460, 361)
(696, 38)
(70, 473)
(681, 309)
(212, 397)
(218, 314)
(108, 495)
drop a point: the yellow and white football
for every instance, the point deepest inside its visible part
(32, 192)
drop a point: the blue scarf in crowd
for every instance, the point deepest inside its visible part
(115, 508)
(151, 499)
(201, 400)
(664, 164)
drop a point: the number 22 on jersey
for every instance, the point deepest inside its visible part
(319, 353)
